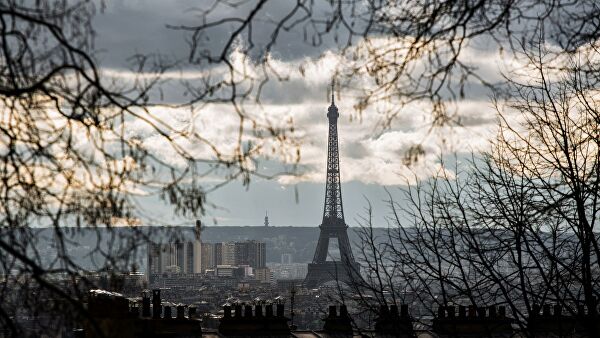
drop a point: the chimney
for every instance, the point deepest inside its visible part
(135, 311)
(145, 305)
(451, 311)
(226, 311)
(341, 324)
(248, 311)
(167, 312)
(280, 310)
(393, 310)
(269, 310)
(502, 311)
(441, 312)
(557, 310)
(481, 312)
(258, 311)
(472, 311)
(192, 311)
(492, 311)
(404, 311)
(238, 310)
(462, 311)
(546, 310)
(156, 307)
(332, 311)
(180, 311)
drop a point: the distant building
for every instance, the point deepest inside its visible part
(208, 257)
(288, 271)
(218, 254)
(172, 258)
(264, 275)
(250, 253)
(177, 257)
(286, 258)
(230, 271)
(228, 253)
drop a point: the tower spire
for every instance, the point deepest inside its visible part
(333, 92)
(266, 218)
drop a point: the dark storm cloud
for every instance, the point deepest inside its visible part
(126, 28)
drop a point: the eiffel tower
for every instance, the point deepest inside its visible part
(321, 269)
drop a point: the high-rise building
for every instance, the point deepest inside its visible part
(286, 258)
(250, 253)
(177, 257)
(208, 257)
(171, 258)
(218, 253)
(228, 253)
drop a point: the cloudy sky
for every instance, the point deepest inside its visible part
(371, 157)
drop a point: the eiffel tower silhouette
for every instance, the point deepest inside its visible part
(333, 226)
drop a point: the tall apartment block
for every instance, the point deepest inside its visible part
(251, 253)
(178, 257)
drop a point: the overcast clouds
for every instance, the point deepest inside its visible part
(370, 158)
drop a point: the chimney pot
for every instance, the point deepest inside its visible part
(156, 306)
(332, 311)
(557, 310)
(502, 311)
(404, 311)
(546, 310)
(492, 311)
(146, 306)
(441, 312)
(167, 312)
(238, 310)
(135, 311)
(451, 311)
(258, 310)
(180, 311)
(481, 312)
(472, 311)
(269, 310)
(248, 311)
(462, 311)
(280, 309)
(394, 310)
(192, 311)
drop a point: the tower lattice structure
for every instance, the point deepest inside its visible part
(325, 268)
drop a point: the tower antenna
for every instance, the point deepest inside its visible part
(333, 92)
